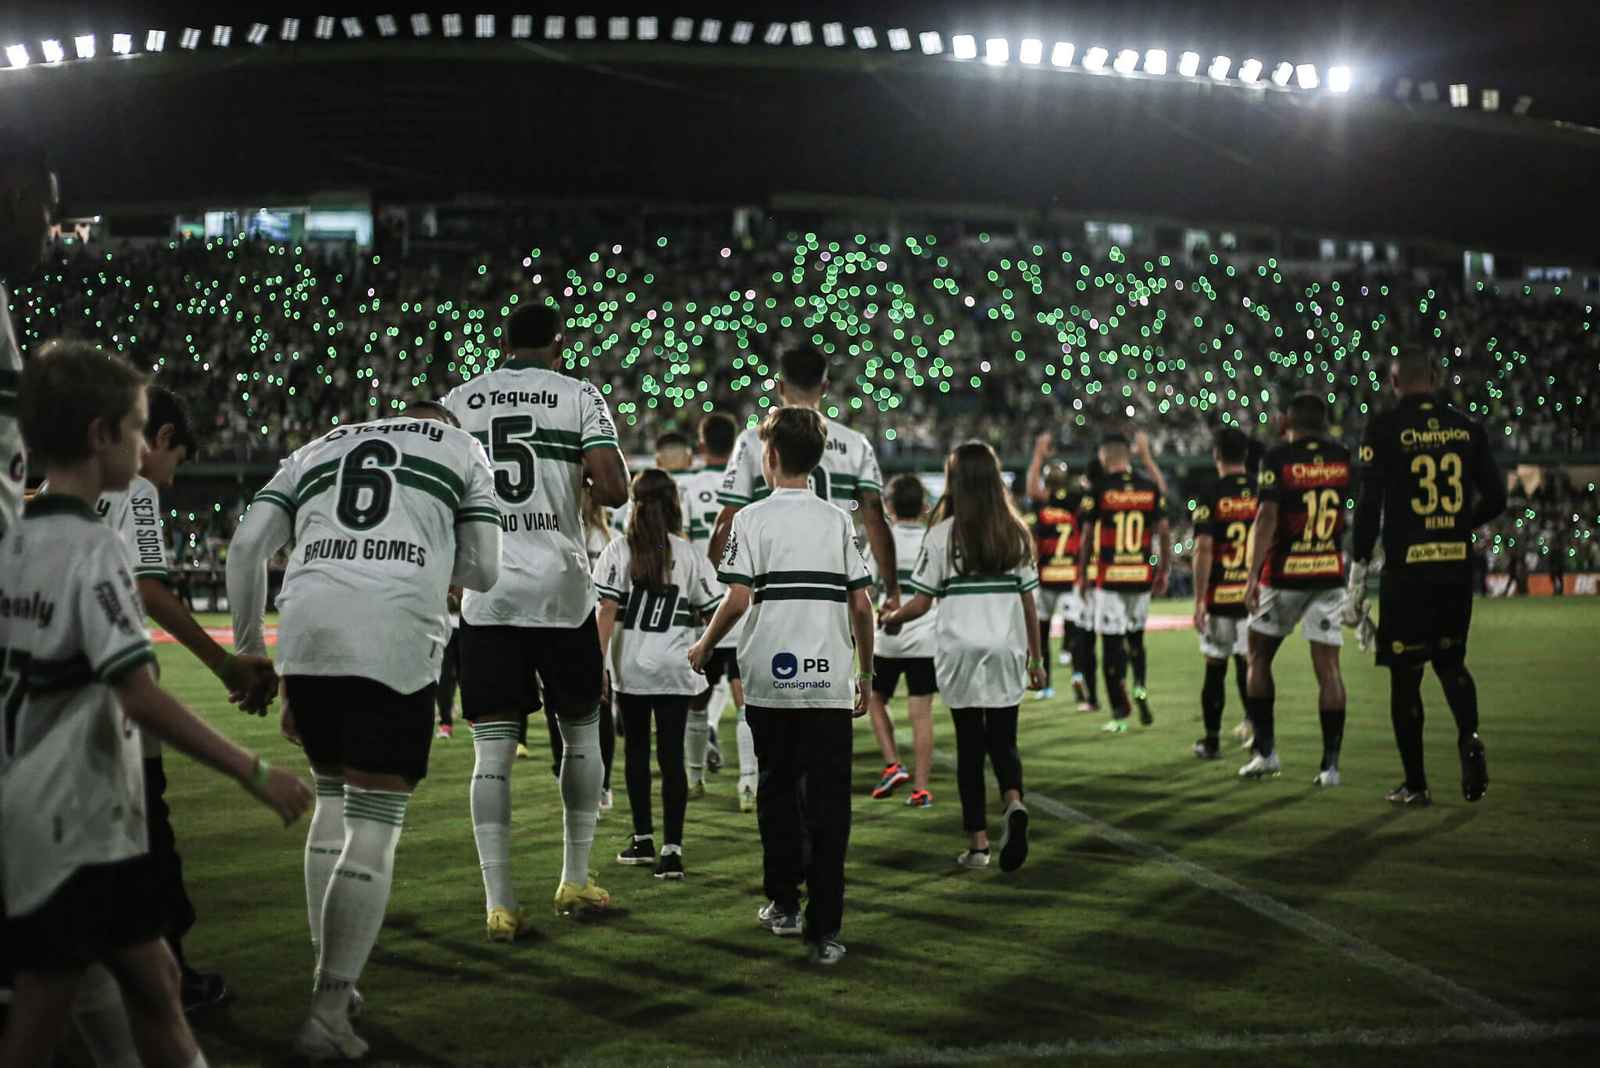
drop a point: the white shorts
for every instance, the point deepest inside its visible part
(1066, 599)
(1224, 636)
(1117, 612)
(1317, 612)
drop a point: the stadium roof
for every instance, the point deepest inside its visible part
(745, 108)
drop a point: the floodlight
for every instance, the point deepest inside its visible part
(555, 27)
(1061, 54)
(1250, 71)
(1460, 96)
(451, 24)
(121, 43)
(53, 52)
(1523, 105)
(1282, 73)
(931, 43)
(742, 32)
(84, 46)
(17, 56)
(800, 33)
(775, 32)
(1094, 60)
(1127, 61)
(1189, 64)
(899, 39)
(833, 34)
(1220, 65)
(221, 36)
(1338, 79)
(1030, 51)
(583, 25)
(324, 27)
(964, 46)
(1305, 76)
(386, 26)
(351, 26)
(1491, 100)
(997, 51)
(617, 27)
(1429, 91)
(1402, 88)
(190, 40)
(258, 33)
(647, 28)
(682, 28)
(155, 40)
(864, 36)
(710, 30)
(483, 26)
(1155, 61)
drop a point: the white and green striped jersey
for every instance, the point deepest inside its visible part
(982, 640)
(848, 469)
(379, 514)
(799, 557)
(619, 516)
(71, 769)
(917, 638)
(13, 457)
(701, 507)
(135, 514)
(536, 425)
(649, 651)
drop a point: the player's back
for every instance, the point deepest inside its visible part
(700, 504)
(1227, 511)
(1127, 508)
(849, 468)
(1429, 457)
(375, 508)
(536, 425)
(1309, 480)
(1055, 538)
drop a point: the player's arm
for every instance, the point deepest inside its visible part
(605, 621)
(478, 531)
(1164, 567)
(719, 534)
(1489, 482)
(248, 676)
(1260, 546)
(1141, 448)
(734, 605)
(1035, 479)
(1369, 501)
(1203, 546)
(607, 474)
(862, 626)
(265, 528)
(881, 540)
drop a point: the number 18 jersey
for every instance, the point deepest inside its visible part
(536, 425)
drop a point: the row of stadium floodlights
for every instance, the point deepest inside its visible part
(1251, 73)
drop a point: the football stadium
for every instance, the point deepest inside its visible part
(849, 534)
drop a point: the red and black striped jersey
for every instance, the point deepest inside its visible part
(1309, 480)
(1125, 509)
(1056, 538)
(1226, 510)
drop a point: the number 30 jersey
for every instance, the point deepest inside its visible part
(1226, 510)
(1309, 480)
(536, 425)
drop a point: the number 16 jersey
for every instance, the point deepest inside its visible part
(536, 425)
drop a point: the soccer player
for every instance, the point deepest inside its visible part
(450, 669)
(79, 883)
(548, 435)
(1224, 512)
(675, 456)
(978, 560)
(661, 586)
(1427, 481)
(1297, 576)
(1056, 537)
(1128, 513)
(384, 517)
(847, 476)
(702, 750)
(909, 652)
(792, 562)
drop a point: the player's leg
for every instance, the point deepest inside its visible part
(1405, 641)
(641, 847)
(697, 734)
(553, 729)
(1262, 698)
(196, 988)
(971, 747)
(1330, 708)
(1045, 609)
(1136, 613)
(671, 714)
(779, 818)
(572, 669)
(1000, 742)
(1245, 730)
(1114, 663)
(449, 674)
(823, 740)
(749, 765)
(886, 672)
(610, 727)
(319, 708)
(498, 691)
(1452, 613)
(921, 683)
(1213, 696)
(150, 982)
(101, 1020)
(41, 1002)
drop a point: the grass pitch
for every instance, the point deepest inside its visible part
(1092, 951)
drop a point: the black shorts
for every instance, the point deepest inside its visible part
(504, 669)
(1419, 620)
(918, 670)
(346, 721)
(722, 665)
(100, 909)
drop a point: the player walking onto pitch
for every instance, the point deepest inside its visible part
(1224, 513)
(547, 435)
(1297, 576)
(79, 883)
(1053, 504)
(847, 476)
(978, 561)
(1427, 481)
(385, 517)
(661, 586)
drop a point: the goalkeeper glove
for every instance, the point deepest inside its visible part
(1355, 598)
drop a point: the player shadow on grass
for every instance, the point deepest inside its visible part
(218, 1028)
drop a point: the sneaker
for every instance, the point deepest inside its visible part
(320, 1040)
(639, 851)
(445, 730)
(1326, 777)
(696, 791)
(201, 990)
(1141, 697)
(1115, 726)
(747, 799)
(973, 858)
(713, 759)
(572, 899)
(504, 925)
(1405, 795)
(828, 952)
(670, 866)
(773, 918)
(1261, 766)
(1014, 841)
(1474, 768)
(1045, 694)
(1207, 749)
(607, 799)
(893, 776)
(920, 799)
(1089, 706)
(522, 751)
(1245, 732)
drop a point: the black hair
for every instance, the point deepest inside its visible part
(907, 496)
(433, 407)
(1308, 412)
(533, 326)
(672, 440)
(803, 367)
(1233, 444)
(719, 432)
(167, 408)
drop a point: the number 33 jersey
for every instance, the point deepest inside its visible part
(536, 425)
(1309, 480)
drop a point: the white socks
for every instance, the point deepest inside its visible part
(496, 747)
(98, 1013)
(324, 843)
(696, 736)
(748, 772)
(581, 775)
(358, 895)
